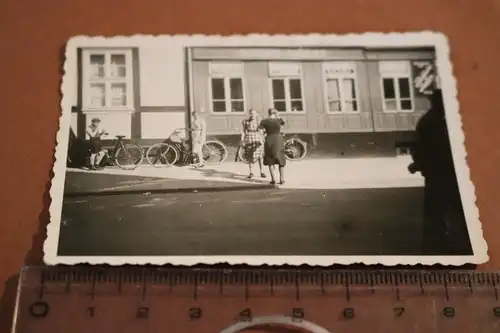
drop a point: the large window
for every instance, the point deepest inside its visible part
(341, 87)
(107, 80)
(227, 94)
(286, 87)
(396, 84)
(227, 91)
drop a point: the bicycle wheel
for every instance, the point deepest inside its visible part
(242, 155)
(214, 152)
(295, 149)
(129, 156)
(162, 155)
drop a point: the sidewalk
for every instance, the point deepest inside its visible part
(349, 173)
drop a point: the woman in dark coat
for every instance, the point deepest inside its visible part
(274, 145)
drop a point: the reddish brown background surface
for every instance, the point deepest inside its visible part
(33, 34)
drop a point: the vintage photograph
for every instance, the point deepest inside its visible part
(262, 149)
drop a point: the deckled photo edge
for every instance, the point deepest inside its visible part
(59, 169)
(459, 151)
(457, 138)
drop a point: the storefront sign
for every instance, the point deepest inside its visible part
(334, 69)
(277, 54)
(425, 77)
(284, 69)
(394, 68)
(226, 69)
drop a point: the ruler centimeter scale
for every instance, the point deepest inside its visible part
(76, 299)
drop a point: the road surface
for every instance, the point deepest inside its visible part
(245, 222)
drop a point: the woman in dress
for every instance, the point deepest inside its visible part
(252, 141)
(198, 137)
(274, 145)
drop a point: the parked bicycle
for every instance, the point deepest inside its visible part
(126, 156)
(295, 150)
(177, 150)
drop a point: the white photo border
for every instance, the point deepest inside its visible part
(410, 39)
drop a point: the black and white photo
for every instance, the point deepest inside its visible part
(262, 149)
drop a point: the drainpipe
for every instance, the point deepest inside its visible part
(189, 86)
(189, 90)
(368, 81)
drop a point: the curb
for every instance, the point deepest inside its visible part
(169, 190)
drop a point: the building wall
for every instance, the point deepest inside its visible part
(164, 90)
(159, 89)
(370, 118)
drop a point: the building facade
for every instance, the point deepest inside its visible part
(337, 97)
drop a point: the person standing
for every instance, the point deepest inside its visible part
(252, 141)
(433, 158)
(274, 145)
(198, 137)
(93, 134)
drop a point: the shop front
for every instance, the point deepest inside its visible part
(332, 97)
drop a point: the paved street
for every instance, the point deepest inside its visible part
(246, 222)
(356, 207)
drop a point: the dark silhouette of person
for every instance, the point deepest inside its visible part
(78, 151)
(433, 158)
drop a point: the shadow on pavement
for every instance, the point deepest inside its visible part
(206, 172)
(80, 184)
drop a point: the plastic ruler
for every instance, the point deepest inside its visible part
(131, 300)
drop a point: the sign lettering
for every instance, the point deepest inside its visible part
(226, 69)
(284, 69)
(335, 69)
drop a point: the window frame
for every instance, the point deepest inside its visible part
(395, 78)
(87, 81)
(227, 89)
(288, 99)
(339, 78)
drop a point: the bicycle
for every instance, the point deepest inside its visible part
(170, 152)
(295, 150)
(122, 153)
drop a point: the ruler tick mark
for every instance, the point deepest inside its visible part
(422, 291)
(372, 285)
(297, 290)
(119, 283)
(322, 284)
(446, 290)
(42, 286)
(195, 291)
(170, 283)
(68, 284)
(346, 286)
(92, 290)
(397, 289)
(246, 290)
(144, 287)
(495, 289)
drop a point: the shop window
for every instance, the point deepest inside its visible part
(227, 94)
(107, 80)
(341, 87)
(287, 95)
(227, 91)
(286, 87)
(397, 90)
